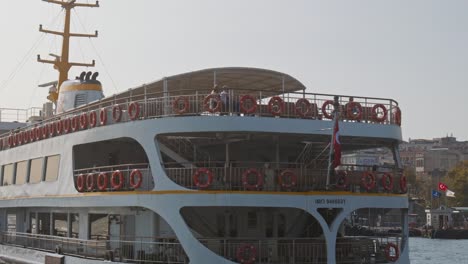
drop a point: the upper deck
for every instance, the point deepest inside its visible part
(240, 92)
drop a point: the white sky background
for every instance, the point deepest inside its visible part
(415, 52)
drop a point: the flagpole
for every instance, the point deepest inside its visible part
(335, 119)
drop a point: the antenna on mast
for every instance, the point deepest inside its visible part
(62, 63)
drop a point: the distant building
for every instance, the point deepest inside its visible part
(433, 157)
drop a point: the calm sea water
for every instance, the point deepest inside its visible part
(444, 251)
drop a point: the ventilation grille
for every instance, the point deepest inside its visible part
(80, 99)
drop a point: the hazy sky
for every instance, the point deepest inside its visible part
(415, 52)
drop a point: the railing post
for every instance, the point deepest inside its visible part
(293, 251)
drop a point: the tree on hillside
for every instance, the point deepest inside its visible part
(457, 181)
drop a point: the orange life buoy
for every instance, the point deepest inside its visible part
(80, 182)
(51, 128)
(133, 110)
(253, 102)
(185, 105)
(387, 181)
(83, 120)
(116, 113)
(75, 122)
(246, 254)
(117, 175)
(276, 100)
(198, 173)
(285, 175)
(136, 173)
(342, 180)
(403, 186)
(245, 180)
(209, 99)
(397, 115)
(18, 138)
(10, 141)
(374, 115)
(37, 133)
(388, 252)
(300, 104)
(66, 125)
(32, 136)
(102, 181)
(44, 131)
(92, 119)
(102, 116)
(354, 111)
(368, 180)
(325, 105)
(90, 182)
(25, 136)
(58, 127)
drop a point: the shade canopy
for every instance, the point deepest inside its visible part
(239, 80)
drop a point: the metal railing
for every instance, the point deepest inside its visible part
(143, 250)
(285, 177)
(18, 115)
(301, 250)
(155, 105)
(147, 182)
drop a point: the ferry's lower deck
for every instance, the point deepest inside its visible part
(174, 228)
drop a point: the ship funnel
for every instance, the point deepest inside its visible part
(74, 93)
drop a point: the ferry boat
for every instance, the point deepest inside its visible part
(221, 165)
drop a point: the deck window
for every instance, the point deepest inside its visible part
(8, 174)
(74, 225)
(32, 223)
(252, 220)
(11, 222)
(43, 223)
(60, 224)
(35, 175)
(52, 168)
(21, 172)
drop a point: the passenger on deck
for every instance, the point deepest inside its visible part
(269, 178)
(225, 100)
(215, 93)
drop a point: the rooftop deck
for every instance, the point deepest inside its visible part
(307, 106)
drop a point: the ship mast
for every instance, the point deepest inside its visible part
(62, 63)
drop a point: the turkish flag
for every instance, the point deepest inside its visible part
(442, 186)
(336, 145)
